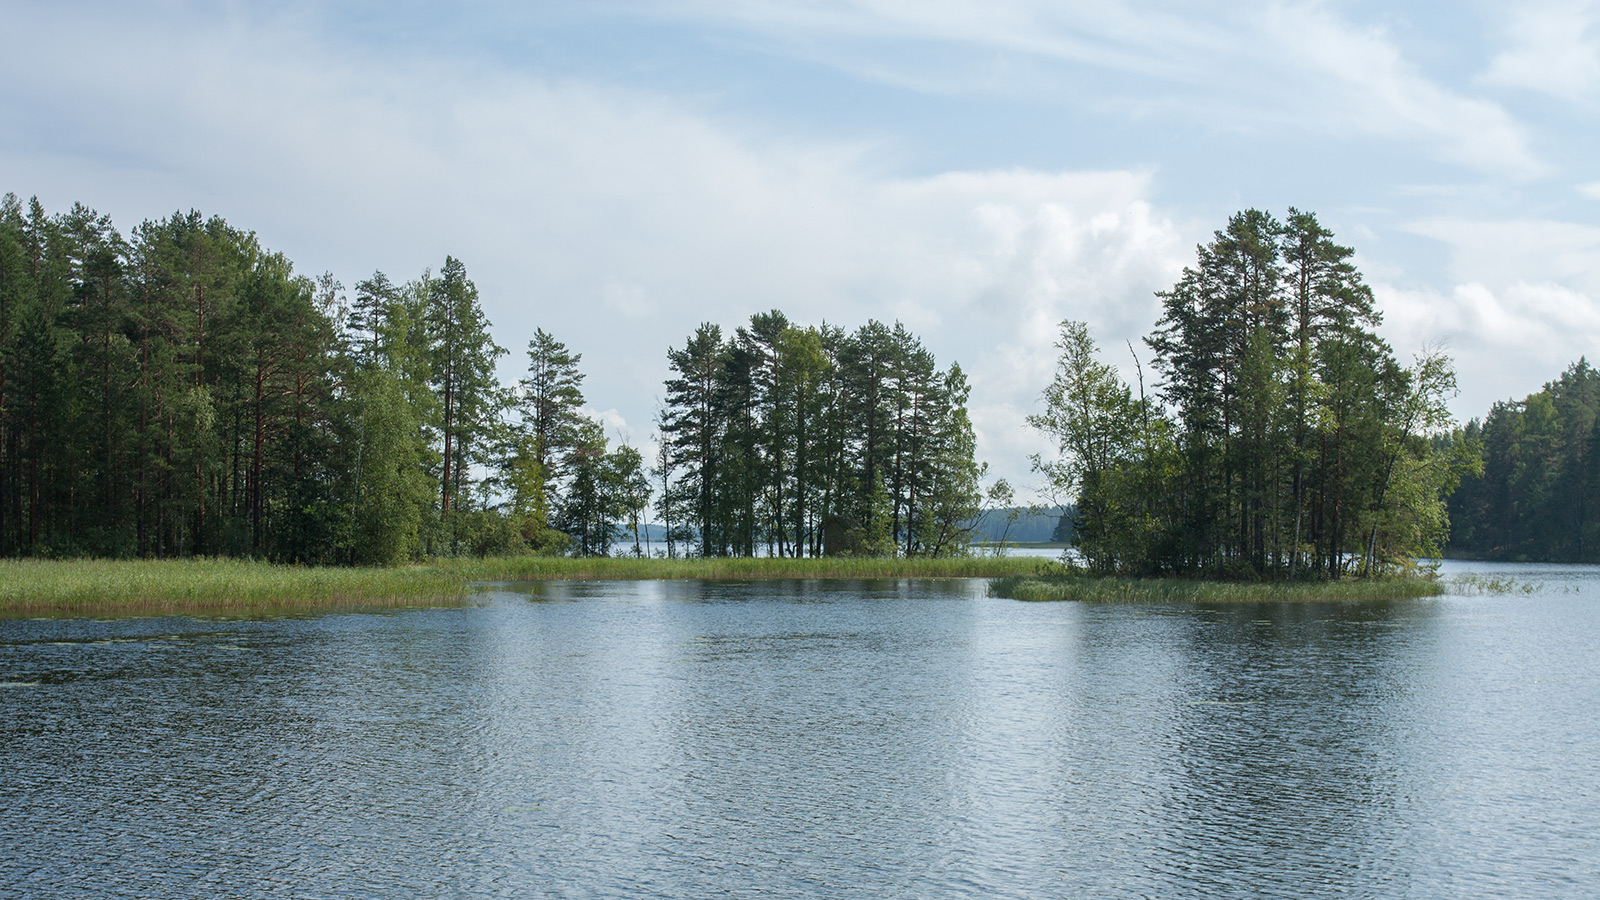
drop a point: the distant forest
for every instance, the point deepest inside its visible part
(181, 391)
(1538, 497)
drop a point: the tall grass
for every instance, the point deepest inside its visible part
(230, 586)
(244, 587)
(1473, 584)
(1098, 589)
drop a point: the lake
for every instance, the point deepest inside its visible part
(813, 739)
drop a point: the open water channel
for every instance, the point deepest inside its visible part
(812, 739)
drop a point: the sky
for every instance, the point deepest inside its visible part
(619, 172)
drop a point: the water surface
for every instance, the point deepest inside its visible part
(812, 738)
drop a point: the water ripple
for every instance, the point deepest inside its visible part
(874, 739)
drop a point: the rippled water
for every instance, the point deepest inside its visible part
(867, 739)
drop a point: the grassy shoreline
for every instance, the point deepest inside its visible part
(1104, 589)
(34, 588)
(231, 587)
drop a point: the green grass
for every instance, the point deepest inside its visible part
(1102, 589)
(227, 586)
(246, 588)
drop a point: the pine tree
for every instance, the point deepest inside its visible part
(470, 399)
(551, 404)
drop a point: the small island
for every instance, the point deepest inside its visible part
(1281, 451)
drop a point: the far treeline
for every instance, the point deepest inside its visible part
(1279, 438)
(1538, 497)
(182, 392)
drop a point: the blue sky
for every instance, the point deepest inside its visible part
(618, 172)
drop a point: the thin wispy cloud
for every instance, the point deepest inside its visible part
(1246, 67)
(1553, 47)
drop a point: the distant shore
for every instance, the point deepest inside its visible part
(42, 588)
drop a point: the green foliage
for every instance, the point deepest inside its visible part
(1123, 589)
(184, 392)
(593, 506)
(470, 400)
(812, 441)
(550, 403)
(1288, 443)
(392, 493)
(1537, 495)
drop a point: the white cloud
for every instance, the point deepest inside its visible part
(1358, 81)
(1506, 252)
(1553, 48)
(1506, 341)
(616, 220)
(1258, 67)
(1525, 304)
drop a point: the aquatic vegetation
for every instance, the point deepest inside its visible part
(32, 587)
(1473, 584)
(1112, 589)
(245, 587)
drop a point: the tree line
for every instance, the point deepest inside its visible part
(809, 441)
(1538, 495)
(182, 391)
(1280, 437)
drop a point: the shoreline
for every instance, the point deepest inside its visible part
(92, 588)
(89, 588)
(1119, 589)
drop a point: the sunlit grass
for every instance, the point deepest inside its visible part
(232, 586)
(1099, 589)
(244, 587)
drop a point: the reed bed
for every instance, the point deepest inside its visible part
(100, 587)
(250, 588)
(1101, 589)
(1472, 584)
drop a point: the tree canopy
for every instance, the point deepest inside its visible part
(810, 441)
(184, 391)
(1282, 438)
(1538, 496)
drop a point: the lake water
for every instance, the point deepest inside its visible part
(655, 549)
(812, 739)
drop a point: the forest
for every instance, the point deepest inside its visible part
(1538, 496)
(181, 391)
(1279, 438)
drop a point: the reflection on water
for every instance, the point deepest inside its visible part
(810, 738)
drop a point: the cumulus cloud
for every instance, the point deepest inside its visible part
(1524, 304)
(1506, 341)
